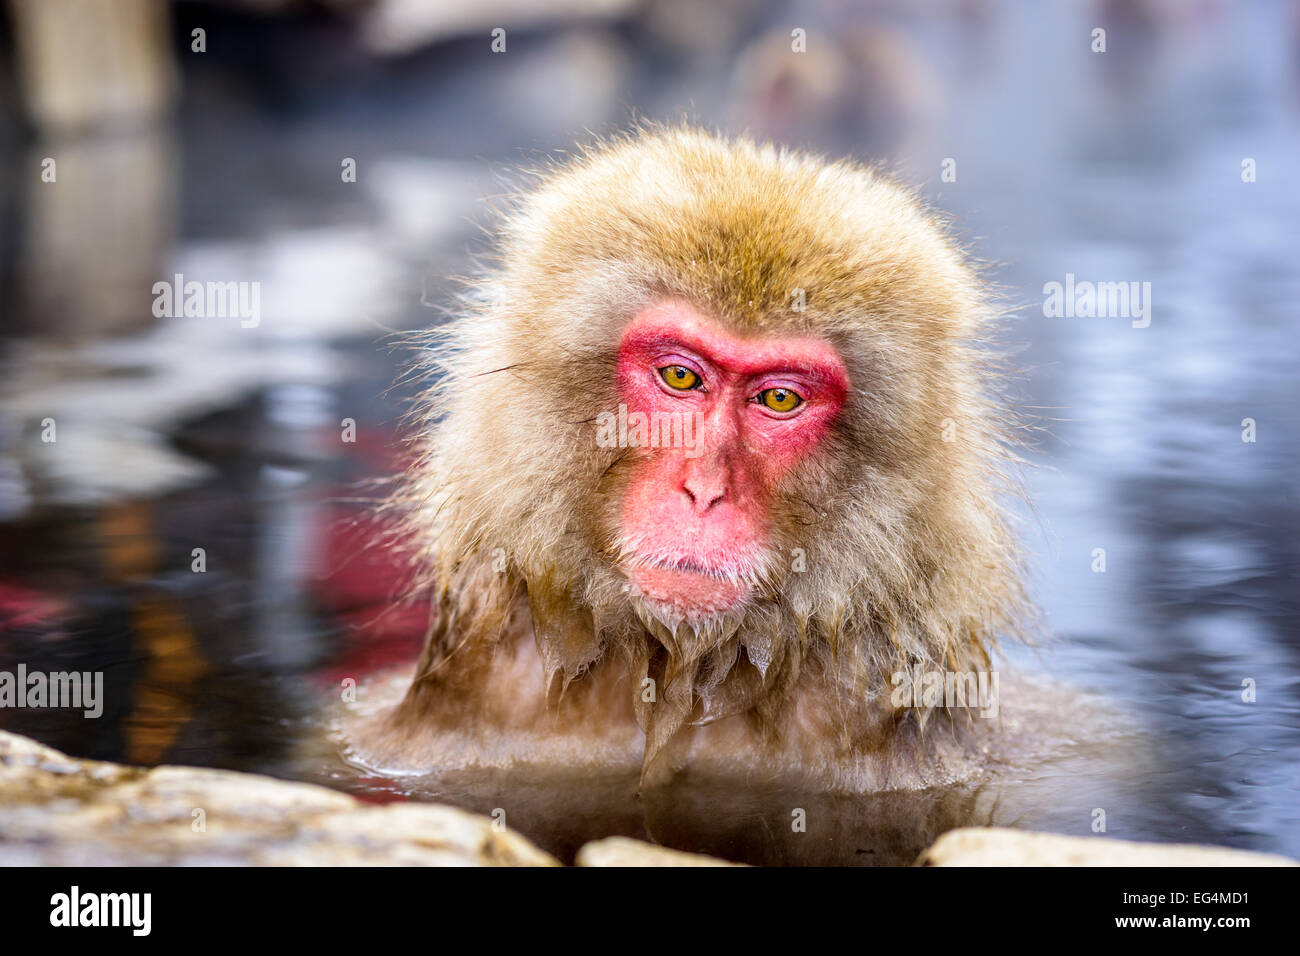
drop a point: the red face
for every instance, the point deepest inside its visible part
(697, 515)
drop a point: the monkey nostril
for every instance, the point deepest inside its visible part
(703, 497)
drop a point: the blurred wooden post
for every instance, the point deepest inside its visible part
(89, 65)
(96, 237)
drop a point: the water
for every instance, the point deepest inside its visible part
(178, 434)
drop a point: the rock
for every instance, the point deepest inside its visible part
(57, 810)
(624, 851)
(995, 846)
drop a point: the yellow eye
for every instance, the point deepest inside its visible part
(679, 377)
(780, 399)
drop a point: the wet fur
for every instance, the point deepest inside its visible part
(538, 652)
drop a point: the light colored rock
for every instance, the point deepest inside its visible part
(995, 846)
(624, 851)
(56, 810)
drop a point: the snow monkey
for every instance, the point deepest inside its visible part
(713, 459)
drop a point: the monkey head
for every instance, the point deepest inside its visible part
(722, 415)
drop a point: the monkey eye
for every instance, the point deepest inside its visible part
(780, 399)
(679, 377)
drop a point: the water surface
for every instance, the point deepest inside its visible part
(179, 434)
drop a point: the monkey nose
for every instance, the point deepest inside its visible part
(704, 494)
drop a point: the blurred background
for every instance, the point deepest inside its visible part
(182, 509)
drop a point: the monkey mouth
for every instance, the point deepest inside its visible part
(689, 585)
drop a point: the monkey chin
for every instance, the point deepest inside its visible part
(690, 594)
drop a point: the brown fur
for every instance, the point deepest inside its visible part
(909, 559)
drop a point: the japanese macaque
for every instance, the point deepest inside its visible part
(713, 457)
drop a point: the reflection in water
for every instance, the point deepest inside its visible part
(96, 235)
(181, 434)
(756, 825)
(163, 694)
(1055, 751)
